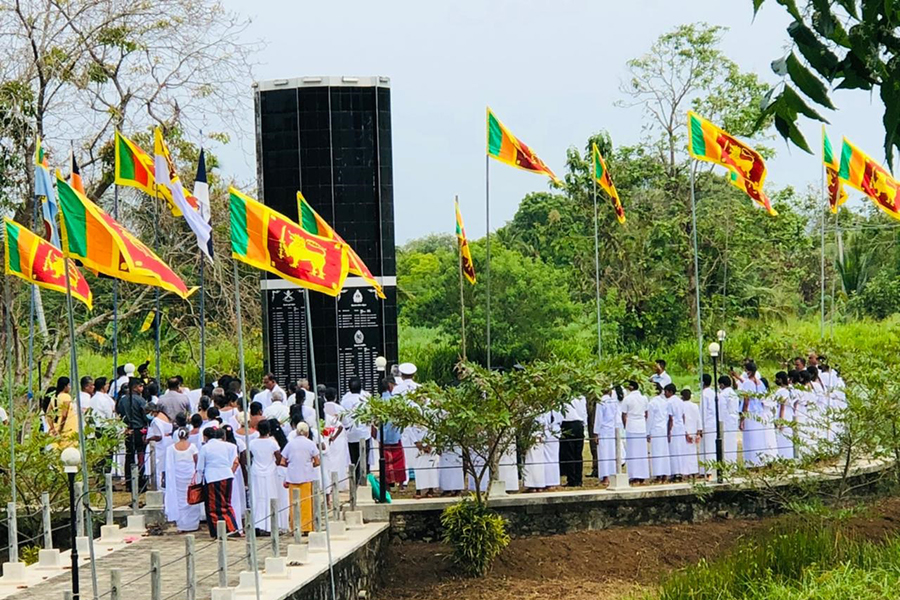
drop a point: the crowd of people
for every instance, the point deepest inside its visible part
(202, 437)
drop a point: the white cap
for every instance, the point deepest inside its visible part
(407, 368)
(129, 369)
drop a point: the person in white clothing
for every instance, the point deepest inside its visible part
(634, 417)
(451, 478)
(103, 406)
(535, 473)
(216, 463)
(552, 433)
(358, 434)
(784, 422)
(84, 396)
(606, 419)
(690, 461)
(751, 423)
(729, 412)
(181, 472)
(270, 384)
(709, 425)
(658, 436)
(265, 454)
(278, 410)
(406, 384)
(160, 434)
(676, 437)
(660, 377)
(336, 450)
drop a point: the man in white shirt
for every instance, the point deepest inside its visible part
(278, 410)
(102, 405)
(661, 377)
(84, 396)
(708, 425)
(358, 434)
(571, 446)
(658, 435)
(303, 391)
(634, 417)
(270, 384)
(729, 412)
(407, 372)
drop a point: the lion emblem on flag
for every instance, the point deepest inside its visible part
(299, 250)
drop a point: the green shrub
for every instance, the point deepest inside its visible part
(476, 533)
(29, 554)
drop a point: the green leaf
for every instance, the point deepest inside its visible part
(791, 7)
(779, 66)
(788, 130)
(823, 60)
(792, 100)
(757, 4)
(808, 83)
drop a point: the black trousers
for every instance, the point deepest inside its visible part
(362, 468)
(134, 455)
(571, 446)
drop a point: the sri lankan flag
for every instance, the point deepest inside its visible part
(507, 148)
(104, 246)
(712, 144)
(837, 195)
(860, 171)
(313, 223)
(135, 168)
(269, 241)
(602, 176)
(39, 262)
(465, 253)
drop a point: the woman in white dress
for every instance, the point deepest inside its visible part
(181, 471)
(451, 473)
(534, 473)
(770, 414)
(752, 417)
(634, 417)
(784, 423)
(265, 454)
(606, 419)
(509, 470)
(690, 461)
(160, 434)
(658, 436)
(336, 452)
(552, 433)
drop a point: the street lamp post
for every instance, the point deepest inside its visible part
(720, 335)
(380, 366)
(71, 459)
(714, 349)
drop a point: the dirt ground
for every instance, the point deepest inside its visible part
(612, 564)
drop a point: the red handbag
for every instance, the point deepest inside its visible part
(196, 493)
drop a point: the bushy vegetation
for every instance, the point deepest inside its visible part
(476, 534)
(802, 559)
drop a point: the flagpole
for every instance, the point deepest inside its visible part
(462, 297)
(312, 371)
(116, 304)
(156, 289)
(10, 375)
(597, 256)
(250, 528)
(696, 273)
(822, 265)
(203, 324)
(487, 210)
(82, 444)
(840, 256)
(31, 329)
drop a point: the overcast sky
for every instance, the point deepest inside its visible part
(549, 70)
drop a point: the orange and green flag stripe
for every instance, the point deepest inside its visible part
(135, 168)
(837, 195)
(312, 222)
(503, 146)
(37, 261)
(604, 179)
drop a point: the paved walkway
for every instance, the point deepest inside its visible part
(134, 562)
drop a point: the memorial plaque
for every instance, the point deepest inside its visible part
(287, 347)
(359, 336)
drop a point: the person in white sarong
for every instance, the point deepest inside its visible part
(769, 414)
(823, 410)
(181, 471)
(677, 445)
(552, 432)
(729, 412)
(535, 475)
(709, 426)
(451, 473)
(751, 423)
(265, 455)
(634, 417)
(806, 415)
(336, 453)
(606, 419)
(160, 434)
(784, 401)
(509, 470)
(426, 465)
(658, 436)
(690, 461)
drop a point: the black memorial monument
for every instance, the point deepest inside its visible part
(330, 138)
